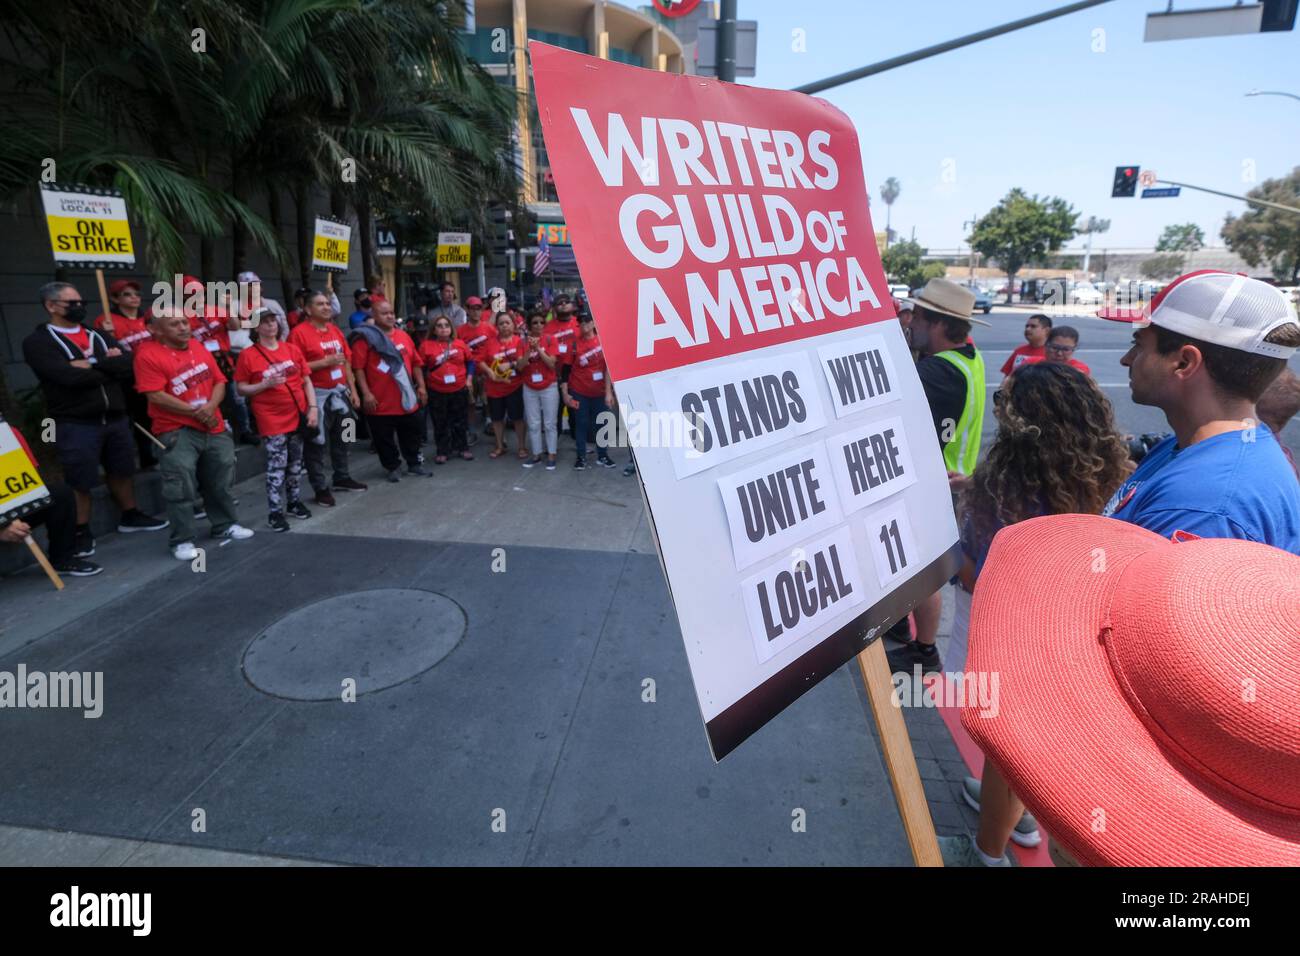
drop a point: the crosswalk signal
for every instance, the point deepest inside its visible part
(1126, 181)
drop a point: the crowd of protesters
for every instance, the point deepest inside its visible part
(1210, 351)
(178, 386)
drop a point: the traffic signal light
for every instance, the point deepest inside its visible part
(1279, 16)
(1126, 181)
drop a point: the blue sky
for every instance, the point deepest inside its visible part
(1040, 109)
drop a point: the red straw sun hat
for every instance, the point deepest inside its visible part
(1149, 705)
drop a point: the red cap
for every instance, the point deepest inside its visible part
(121, 285)
(187, 281)
(474, 300)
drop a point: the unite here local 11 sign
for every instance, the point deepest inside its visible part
(330, 245)
(88, 227)
(789, 461)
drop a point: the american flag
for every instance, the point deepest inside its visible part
(542, 261)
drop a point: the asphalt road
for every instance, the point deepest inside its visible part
(1101, 345)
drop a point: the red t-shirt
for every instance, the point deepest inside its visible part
(189, 374)
(277, 408)
(382, 386)
(294, 318)
(80, 337)
(536, 374)
(315, 344)
(587, 376)
(477, 338)
(1073, 363)
(1021, 355)
(128, 332)
(445, 364)
(563, 331)
(502, 353)
(210, 329)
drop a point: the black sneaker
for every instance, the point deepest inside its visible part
(580, 465)
(349, 484)
(605, 461)
(83, 545)
(297, 509)
(76, 568)
(420, 471)
(276, 521)
(200, 513)
(532, 462)
(394, 476)
(137, 520)
(629, 470)
(904, 659)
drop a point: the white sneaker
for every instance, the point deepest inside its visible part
(185, 551)
(236, 532)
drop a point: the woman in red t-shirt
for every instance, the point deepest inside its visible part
(541, 397)
(446, 368)
(588, 391)
(503, 357)
(274, 377)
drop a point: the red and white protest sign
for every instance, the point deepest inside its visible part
(786, 450)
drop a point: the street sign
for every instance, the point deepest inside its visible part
(787, 454)
(1147, 177)
(676, 8)
(330, 245)
(1162, 193)
(453, 250)
(706, 48)
(88, 227)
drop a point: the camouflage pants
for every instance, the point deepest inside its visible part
(283, 469)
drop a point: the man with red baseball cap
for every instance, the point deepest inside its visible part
(1203, 353)
(1147, 712)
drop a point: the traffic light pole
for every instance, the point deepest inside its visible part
(726, 53)
(865, 71)
(1253, 202)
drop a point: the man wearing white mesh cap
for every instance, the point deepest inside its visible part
(1203, 353)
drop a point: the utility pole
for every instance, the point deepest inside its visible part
(970, 225)
(726, 54)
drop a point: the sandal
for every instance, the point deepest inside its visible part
(467, 455)
(496, 452)
(523, 454)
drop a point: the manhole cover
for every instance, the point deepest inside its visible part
(377, 638)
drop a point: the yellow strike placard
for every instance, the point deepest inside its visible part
(330, 246)
(453, 250)
(20, 482)
(88, 228)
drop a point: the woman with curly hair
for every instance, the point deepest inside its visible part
(1056, 452)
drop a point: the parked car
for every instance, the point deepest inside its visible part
(1085, 293)
(899, 290)
(983, 300)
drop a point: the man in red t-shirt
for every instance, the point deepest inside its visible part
(588, 391)
(1037, 328)
(330, 360)
(392, 393)
(477, 332)
(185, 387)
(541, 397)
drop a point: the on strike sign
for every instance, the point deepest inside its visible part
(330, 245)
(787, 453)
(88, 227)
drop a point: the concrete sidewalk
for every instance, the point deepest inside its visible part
(523, 737)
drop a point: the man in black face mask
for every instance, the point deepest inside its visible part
(81, 372)
(361, 314)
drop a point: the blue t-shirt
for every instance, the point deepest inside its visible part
(357, 318)
(1228, 486)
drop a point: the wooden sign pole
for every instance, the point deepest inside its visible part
(44, 562)
(899, 760)
(103, 294)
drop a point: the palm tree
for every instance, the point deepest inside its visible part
(889, 192)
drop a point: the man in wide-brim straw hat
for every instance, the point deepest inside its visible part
(951, 370)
